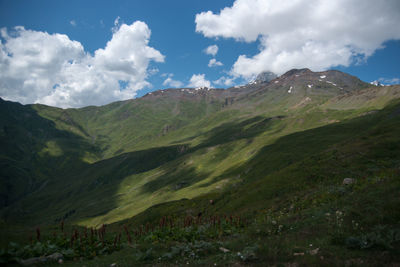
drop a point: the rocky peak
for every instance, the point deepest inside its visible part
(297, 72)
(265, 77)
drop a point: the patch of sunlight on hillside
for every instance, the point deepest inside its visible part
(51, 149)
(136, 193)
(89, 158)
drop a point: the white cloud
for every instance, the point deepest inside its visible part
(211, 50)
(171, 82)
(73, 23)
(152, 71)
(227, 81)
(389, 81)
(199, 80)
(37, 67)
(214, 63)
(317, 34)
(116, 24)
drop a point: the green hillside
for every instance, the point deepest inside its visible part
(274, 154)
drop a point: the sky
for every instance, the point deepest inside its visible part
(78, 53)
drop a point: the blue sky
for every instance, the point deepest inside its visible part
(180, 32)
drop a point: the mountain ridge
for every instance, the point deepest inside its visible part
(183, 119)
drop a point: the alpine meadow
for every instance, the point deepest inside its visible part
(272, 148)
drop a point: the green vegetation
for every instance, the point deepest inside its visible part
(193, 178)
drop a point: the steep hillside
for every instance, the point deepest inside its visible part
(252, 150)
(34, 151)
(103, 164)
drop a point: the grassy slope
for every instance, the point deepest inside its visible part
(298, 205)
(180, 164)
(240, 157)
(305, 196)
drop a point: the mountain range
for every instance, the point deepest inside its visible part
(275, 142)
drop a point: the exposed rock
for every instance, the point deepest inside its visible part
(314, 251)
(32, 261)
(265, 77)
(348, 181)
(55, 256)
(224, 250)
(298, 254)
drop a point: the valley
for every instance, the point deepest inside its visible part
(273, 153)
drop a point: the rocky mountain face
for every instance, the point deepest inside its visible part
(292, 82)
(265, 77)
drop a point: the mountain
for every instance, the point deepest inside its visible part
(265, 77)
(42, 142)
(265, 146)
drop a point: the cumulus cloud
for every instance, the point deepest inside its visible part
(211, 50)
(214, 63)
(389, 81)
(225, 81)
(171, 82)
(317, 34)
(38, 67)
(199, 80)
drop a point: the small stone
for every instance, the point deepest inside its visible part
(33, 261)
(225, 250)
(55, 256)
(113, 265)
(298, 254)
(60, 261)
(348, 181)
(314, 251)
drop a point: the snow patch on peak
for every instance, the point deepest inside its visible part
(322, 76)
(334, 84)
(377, 83)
